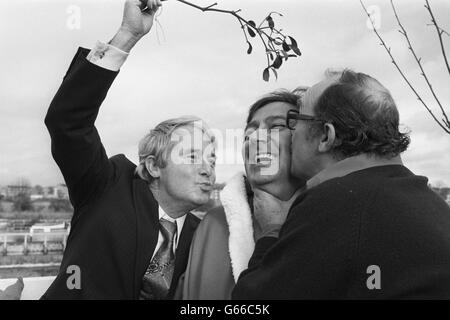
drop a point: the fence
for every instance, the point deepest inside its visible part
(36, 243)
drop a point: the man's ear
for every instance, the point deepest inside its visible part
(152, 168)
(328, 138)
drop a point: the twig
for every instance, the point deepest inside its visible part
(388, 50)
(410, 47)
(439, 32)
(440, 29)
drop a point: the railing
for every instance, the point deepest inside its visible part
(43, 237)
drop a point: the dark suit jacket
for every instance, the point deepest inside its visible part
(384, 216)
(115, 225)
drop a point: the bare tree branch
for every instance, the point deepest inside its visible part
(418, 60)
(444, 32)
(444, 125)
(440, 31)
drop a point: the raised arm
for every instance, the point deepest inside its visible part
(76, 144)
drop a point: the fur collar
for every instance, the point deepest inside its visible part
(239, 218)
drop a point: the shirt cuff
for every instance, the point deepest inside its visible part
(107, 56)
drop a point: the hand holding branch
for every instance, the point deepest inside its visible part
(138, 17)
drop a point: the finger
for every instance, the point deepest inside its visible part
(153, 5)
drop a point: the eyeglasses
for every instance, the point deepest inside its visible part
(293, 116)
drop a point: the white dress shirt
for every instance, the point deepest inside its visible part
(107, 56)
(112, 58)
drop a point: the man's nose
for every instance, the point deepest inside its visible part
(206, 169)
(262, 135)
(263, 140)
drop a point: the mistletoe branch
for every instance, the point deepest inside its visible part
(278, 47)
(444, 125)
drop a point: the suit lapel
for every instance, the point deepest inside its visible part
(146, 229)
(182, 252)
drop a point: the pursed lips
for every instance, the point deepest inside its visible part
(206, 186)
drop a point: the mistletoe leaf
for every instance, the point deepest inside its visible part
(251, 32)
(278, 62)
(250, 48)
(286, 47)
(252, 23)
(270, 22)
(266, 74)
(294, 46)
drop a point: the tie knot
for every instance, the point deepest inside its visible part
(168, 229)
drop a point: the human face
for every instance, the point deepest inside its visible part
(266, 148)
(305, 156)
(189, 174)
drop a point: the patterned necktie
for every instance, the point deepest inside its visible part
(158, 277)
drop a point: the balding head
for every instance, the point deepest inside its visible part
(362, 111)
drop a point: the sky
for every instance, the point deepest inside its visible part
(195, 63)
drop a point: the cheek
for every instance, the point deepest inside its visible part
(284, 148)
(295, 144)
(180, 176)
(187, 173)
(244, 150)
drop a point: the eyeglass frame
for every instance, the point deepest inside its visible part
(294, 114)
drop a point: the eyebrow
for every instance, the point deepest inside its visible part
(192, 150)
(272, 118)
(254, 123)
(251, 124)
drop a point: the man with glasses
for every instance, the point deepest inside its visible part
(366, 227)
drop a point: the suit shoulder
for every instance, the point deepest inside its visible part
(122, 165)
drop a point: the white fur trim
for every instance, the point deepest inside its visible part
(239, 218)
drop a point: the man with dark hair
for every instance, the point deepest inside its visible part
(366, 227)
(225, 239)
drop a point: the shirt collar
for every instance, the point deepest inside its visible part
(349, 165)
(179, 221)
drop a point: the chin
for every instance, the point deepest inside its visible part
(201, 199)
(256, 179)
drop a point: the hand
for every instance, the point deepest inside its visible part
(136, 23)
(271, 212)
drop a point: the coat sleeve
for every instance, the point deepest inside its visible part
(75, 142)
(309, 260)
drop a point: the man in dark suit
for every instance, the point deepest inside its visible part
(132, 227)
(366, 227)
